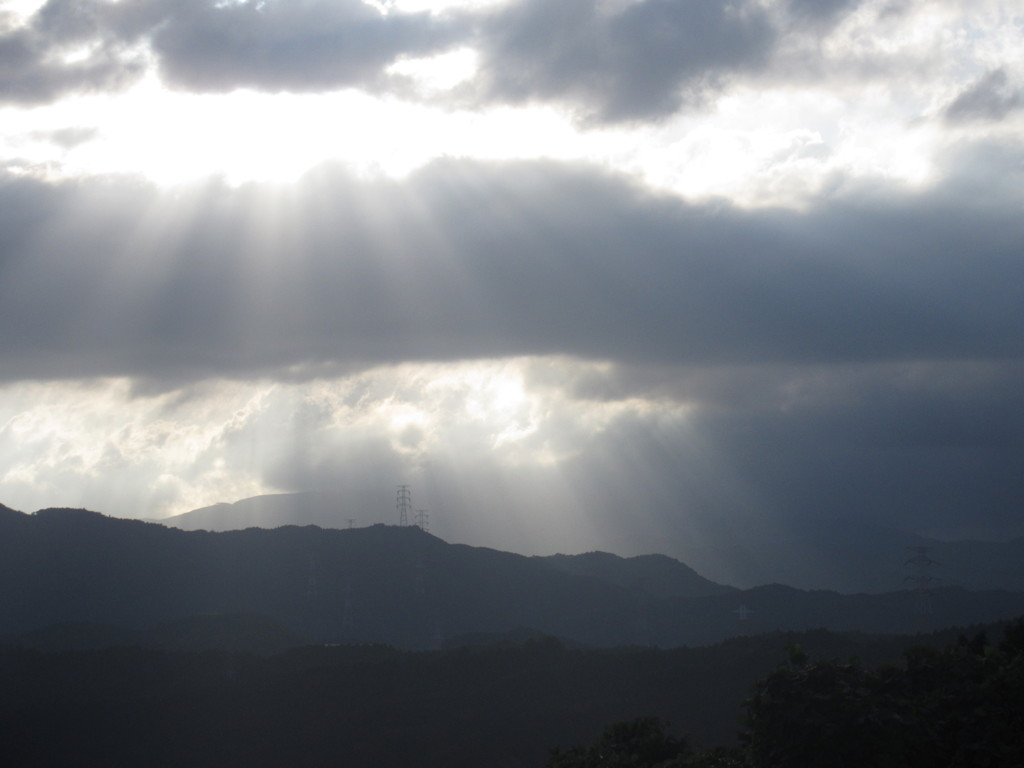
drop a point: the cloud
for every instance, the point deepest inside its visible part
(990, 98)
(468, 259)
(903, 444)
(73, 46)
(64, 49)
(607, 62)
(632, 61)
(91, 443)
(742, 454)
(820, 13)
(66, 138)
(276, 45)
(642, 60)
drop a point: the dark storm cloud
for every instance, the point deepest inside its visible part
(869, 435)
(816, 475)
(992, 97)
(930, 451)
(905, 445)
(643, 61)
(472, 259)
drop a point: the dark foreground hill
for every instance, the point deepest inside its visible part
(378, 706)
(403, 587)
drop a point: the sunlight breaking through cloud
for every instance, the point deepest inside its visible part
(168, 453)
(640, 275)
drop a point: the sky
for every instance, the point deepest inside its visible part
(631, 275)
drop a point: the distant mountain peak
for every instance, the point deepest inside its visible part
(272, 511)
(68, 513)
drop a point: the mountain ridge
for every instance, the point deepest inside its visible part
(811, 555)
(408, 588)
(374, 584)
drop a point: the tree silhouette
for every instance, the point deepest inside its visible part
(959, 706)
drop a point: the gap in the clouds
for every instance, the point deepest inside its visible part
(747, 151)
(491, 448)
(438, 73)
(20, 11)
(175, 138)
(472, 427)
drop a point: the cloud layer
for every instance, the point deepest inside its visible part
(620, 62)
(608, 61)
(468, 260)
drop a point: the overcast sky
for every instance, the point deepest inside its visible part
(629, 275)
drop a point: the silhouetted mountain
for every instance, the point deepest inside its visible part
(404, 587)
(850, 557)
(5, 510)
(647, 576)
(269, 511)
(376, 584)
(872, 560)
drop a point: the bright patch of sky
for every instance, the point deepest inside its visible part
(105, 446)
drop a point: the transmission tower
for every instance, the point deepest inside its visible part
(404, 505)
(422, 520)
(921, 584)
